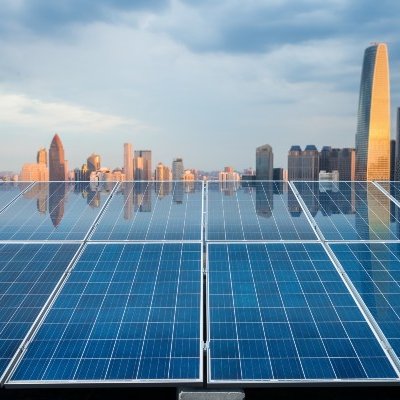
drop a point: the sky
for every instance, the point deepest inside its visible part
(207, 81)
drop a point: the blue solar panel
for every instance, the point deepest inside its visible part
(128, 312)
(53, 211)
(153, 211)
(28, 275)
(351, 210)
(282, 312)
(374, 270)
(9, 191)
(255, 211)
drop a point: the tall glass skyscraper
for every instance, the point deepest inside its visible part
(57, 170)
(264, 163)
(373, 124)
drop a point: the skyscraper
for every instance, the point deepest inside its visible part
(41, 157)
(264, 163)
(325, 159)
(295, 163)
(397, 167)
(93, 163)
(128, 162)
(142, 165)
(57, 171)
(177, 169)
(347, 164)
(392, 159)
(373, 124)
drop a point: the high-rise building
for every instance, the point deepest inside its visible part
(162, 173)
(373, 124)
(295, 163)
(142, 165)
(310, 168)
(177, 169)
(347, 164)
(334, 160)
(264, 163)
(303, 165)
(93, 163)
(41, 157)
(57, 170)
(325, 159)
(34, 172)
(397, 170)
(128, 162)
(279, 174)
(392, 159)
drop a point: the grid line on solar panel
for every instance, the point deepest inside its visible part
(10, 191)
(350, 211)
(54, 211)
(153, 211)
(128, 313)
(391, 189)
(373, 269)
(29, 273)
(261, 210)
(282, 312)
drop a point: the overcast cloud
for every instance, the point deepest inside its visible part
(207, 81)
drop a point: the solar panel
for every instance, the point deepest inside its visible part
(374, 270)
(153, 211)
(350, 210)
(28, 275)
(9, 191)
(280, 312)
(54, 211)
(128, 313)
(255, 211)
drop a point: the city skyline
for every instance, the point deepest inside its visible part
(151, 75)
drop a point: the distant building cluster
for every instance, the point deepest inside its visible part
(375, 156)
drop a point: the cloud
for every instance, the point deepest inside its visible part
(45, 16)
(23, 111)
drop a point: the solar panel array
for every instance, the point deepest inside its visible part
(102, 283)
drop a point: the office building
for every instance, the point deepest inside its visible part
(57, 170)
(177, 169)
(41, 157)
(162, 173)
(295, 163)
(279, 174)
(373, 124)
(392, 159)
(325, 158)
(34, 172)
(397, 166)
(264, 163)
(128, 162)
(142, 165)
(93, 163)
(347, 164)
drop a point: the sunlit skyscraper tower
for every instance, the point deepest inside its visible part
(128, 162)
(57, 170)
(373, 124)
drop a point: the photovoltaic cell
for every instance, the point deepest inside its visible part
(53, 211)
(255, 211)
(282, 312)
(9, 191)
(128, 312)
(153, 211)
(350, 210)
(28, 275)
(374, 270)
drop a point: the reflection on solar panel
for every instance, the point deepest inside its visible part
(257, 211)
(53, 211)
(28, 275)
(128, 312)
(282, 312)
(9, 191)
(374, 270)
(153, 211)
(350, 210)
